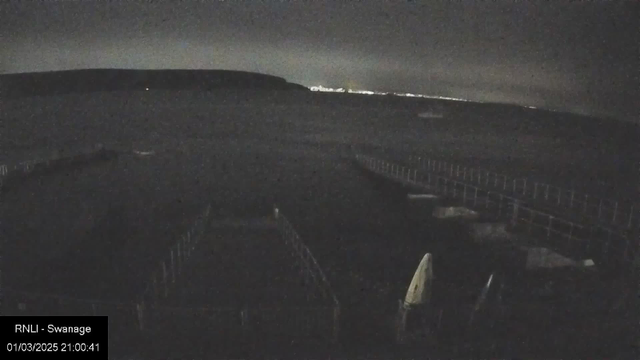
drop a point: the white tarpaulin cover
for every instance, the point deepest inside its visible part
(422, 196)
(454, 212)
(545, 258)
(490, 231)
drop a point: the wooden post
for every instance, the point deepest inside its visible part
(573, 193)
(531, 219)
(570, 232)
(179, 259)
(164, 279)
(401, 322)
(546, 194)
(154, 283)
(500, 205)
(336, 323)
(244, 320)
(599, 209)
(458, 171)
(615, 212)
(514, 185)
(140, 312)
(475, 197)
(524, 186)
(173, 269)
(535, 190)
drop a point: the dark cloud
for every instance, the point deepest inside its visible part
(573, 55)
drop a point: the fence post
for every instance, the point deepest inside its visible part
(500, 205)
(599, 209)
(475, 197)
(573, 193)
(455, 187)
(531, 218)
(173, 269)
(336, 323)
(546, 194)
(458, 171)
(179, 259)
(244, 320)
(524, 187)
(514, 217)
(164, 279)
(154, 283)
(570, 233)
(549, 227)
(140, 312)
(586, 203)
(514, 186)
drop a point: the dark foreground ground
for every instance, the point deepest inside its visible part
(361, 230)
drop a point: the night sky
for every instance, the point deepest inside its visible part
(577, 56)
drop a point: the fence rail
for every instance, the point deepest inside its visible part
(169, 269)
(306, 262)
(604, 245)
(9, 172)
(610, 212)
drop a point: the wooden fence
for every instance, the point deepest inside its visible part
(605, 245)
(609, 212)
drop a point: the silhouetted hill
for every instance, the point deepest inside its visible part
(90, 80)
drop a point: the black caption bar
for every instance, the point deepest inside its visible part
(48, 337)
